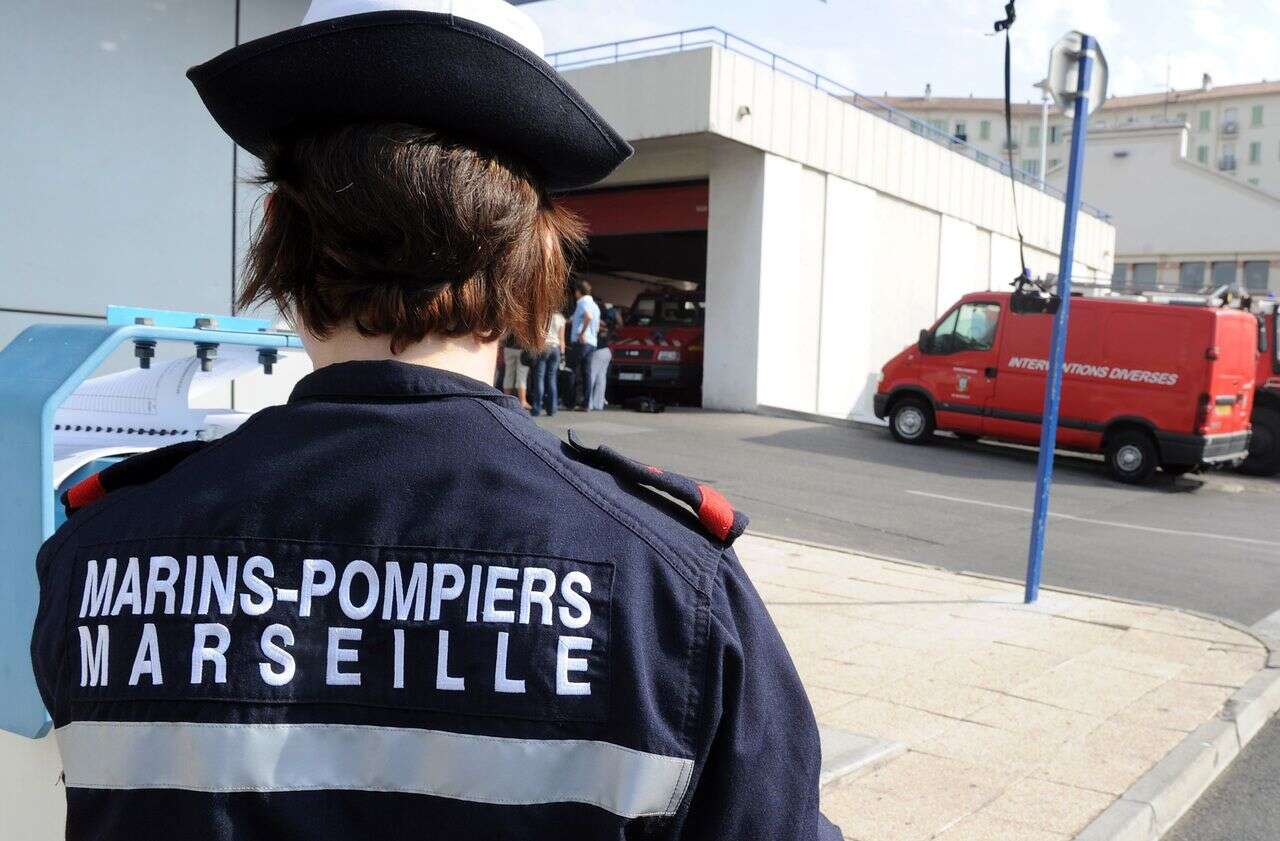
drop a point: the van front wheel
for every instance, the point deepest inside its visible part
(1132, 457)
(911, 421)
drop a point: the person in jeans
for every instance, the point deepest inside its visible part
(544, 391)
(583, 327)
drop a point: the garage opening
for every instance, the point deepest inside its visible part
(646, 259)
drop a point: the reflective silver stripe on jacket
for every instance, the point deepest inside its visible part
(305, 757)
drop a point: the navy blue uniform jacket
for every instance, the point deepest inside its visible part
(394, 608)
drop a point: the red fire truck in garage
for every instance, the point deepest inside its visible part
(1264, 448)
(1149, 385)
(658, 351)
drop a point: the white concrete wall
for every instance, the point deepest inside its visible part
(740, 183)
(659, 96)
(845, 277)
(118, 190)
(960, 268)
(791, 284)
(847, 359)
(117, 183)
(1168, 208)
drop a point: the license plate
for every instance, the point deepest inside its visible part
(1224, 411)
(628, 375)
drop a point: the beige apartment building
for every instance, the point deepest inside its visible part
(1233, 129)
(1191, 178)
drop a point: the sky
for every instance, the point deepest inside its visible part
(897, 46)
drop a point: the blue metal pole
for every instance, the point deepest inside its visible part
(1058, 346)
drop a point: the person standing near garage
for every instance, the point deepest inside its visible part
(544, 391)
(583, 328)
(601, 358)
(394, 607)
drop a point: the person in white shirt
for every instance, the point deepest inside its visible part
(583, 329)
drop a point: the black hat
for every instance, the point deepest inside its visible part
(471, 69)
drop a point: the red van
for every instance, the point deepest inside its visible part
(658, 352)
(1149, 385)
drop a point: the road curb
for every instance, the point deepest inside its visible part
(1160, 797)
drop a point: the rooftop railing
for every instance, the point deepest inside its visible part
(689, 39)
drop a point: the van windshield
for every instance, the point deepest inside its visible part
(666, 312)
(968, 327)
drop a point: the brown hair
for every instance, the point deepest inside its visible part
(401, 232)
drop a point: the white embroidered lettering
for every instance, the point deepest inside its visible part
(202, 653)
(147, 660)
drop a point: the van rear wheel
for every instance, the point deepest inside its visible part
(1132, 457)
(911, 421)
(1264, 446)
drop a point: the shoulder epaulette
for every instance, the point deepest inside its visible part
(135, 470)
(714, 511)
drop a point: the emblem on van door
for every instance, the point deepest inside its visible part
(962, 384)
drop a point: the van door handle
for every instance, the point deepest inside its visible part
(991, 373)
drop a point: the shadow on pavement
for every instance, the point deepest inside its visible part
(961, 459)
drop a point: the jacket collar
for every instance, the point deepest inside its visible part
(388, 379)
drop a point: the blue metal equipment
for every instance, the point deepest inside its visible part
(38, 370)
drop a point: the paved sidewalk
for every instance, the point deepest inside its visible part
(1021, 722)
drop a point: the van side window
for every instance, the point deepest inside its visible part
(969, 327)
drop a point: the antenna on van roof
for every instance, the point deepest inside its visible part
(1010, 15)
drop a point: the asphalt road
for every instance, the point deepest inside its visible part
(1207, 543)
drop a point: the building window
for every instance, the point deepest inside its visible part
(1118, 277)
(1228, 162)
(1255, 116)
(1205, 118)
(1255, 152)
(1031, 166)
(1257, 275)
(1055, 134)
(962, 131)
(1191, 277)
(1144, 276)
(1033, 135)
(1224, 273)
(1202, 154)
(1182, 117)
(984, 130)
(1230, 122)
